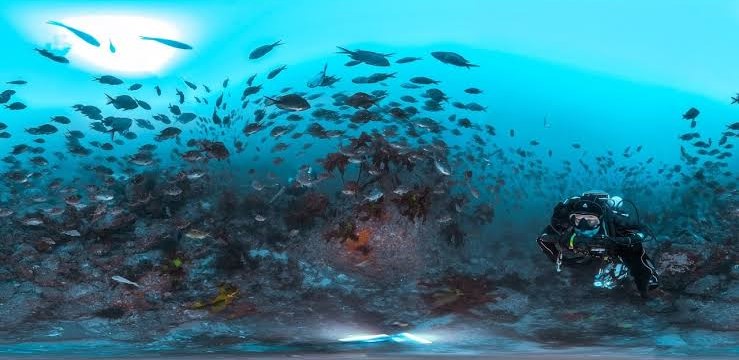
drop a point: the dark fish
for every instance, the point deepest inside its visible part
(290, 102)
(475, 107)
(459, 105)
(61, 119)
(473, 91)
(110, 46)
(181, 96)
(80, 34)
(190, 85)
(5, 96)
(734, 126)
(423, 80)
(175, 110)
(377, 77)
(162, 118)
(108, 80)
(251, 90)
(360, 80)
(186, 117)
(452, 58)
(17, 82)
(702, 144)
(19, 149)
(90, 111)
(16, 106)
(225, 83)
(168, 42)
(408, 98)
(124, 102)
(691, 114)
(158, 90)
(263, 50)
(406, 60)
(144, 105)
(250, 80)
(134, 87)
(361, 100)
(57, 58)
(146, 124)
(435, 95)
(367, 57)
(117, 125)
(216, 118)
(689, 136)
(363, 116)
(45, 129)
(276, 71)
(207, 89)
(168, 133)
(39, 160)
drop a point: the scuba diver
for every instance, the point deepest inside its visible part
(596, 226)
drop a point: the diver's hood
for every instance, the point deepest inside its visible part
(587, 207)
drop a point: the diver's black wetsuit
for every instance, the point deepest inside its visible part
(554, 239)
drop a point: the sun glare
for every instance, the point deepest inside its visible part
(129, 53)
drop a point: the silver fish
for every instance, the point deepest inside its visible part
(123, 280)
(375, 195)
(443, 169)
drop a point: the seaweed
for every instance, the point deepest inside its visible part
(336, 161)
(227, 293)
(415, 203)
(343, 230)
(457, 293)
(369, 210)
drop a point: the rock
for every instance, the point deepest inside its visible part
(735, 271)
(704, 339)
(705, 286)
(670, 340)
(676, 268)
(511, 302)
(732, 292)
(19, 308)
(661, 304)
(711, 314)
(144, 262)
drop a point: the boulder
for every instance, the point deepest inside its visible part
(676, 268)
(705, 286)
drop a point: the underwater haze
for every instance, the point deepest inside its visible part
(336, 179)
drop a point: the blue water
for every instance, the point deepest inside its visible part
(581, 95)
